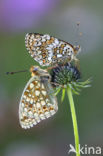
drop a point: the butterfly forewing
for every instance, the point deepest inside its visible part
(48, 50)
(37, 102)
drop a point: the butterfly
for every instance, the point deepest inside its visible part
(37, 101)
(48, 50)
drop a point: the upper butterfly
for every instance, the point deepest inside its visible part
(48, 50)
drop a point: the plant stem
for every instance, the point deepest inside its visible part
(74, 120)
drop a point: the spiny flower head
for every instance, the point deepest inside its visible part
(67, 75)
(64, 74)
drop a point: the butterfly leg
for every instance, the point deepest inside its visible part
(52, 67)
(77, 62)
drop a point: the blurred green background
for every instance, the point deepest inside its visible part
(57, 18)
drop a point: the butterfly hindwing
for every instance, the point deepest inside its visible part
(37, 103)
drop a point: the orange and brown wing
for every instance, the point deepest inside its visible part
(36, 103)
(48, 50)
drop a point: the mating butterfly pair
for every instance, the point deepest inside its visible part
(37, 103)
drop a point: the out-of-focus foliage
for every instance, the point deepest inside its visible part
(58, 18)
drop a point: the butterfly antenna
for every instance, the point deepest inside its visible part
(79, 34)
(21, 71)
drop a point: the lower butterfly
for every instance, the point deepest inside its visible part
(48, 50)
(37, 101)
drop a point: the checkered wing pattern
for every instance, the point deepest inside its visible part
(37, 102)
(48, 50)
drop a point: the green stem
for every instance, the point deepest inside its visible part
(74, 120)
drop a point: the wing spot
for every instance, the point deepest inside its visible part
(38, 105)
(28, 99)
(30, 105)
(42, 116)
(37, 93)
(51, 108)
(44, 92)
(52, 112)
(44, 107)
(31, 85)
(47, 114)
(26, 93)
(25, 109)
(31, 101)
(43, 103)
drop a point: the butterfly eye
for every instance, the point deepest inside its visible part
(35, 69)
(77, 49)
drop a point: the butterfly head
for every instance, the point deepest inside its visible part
(36, 70)
(77, 49)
